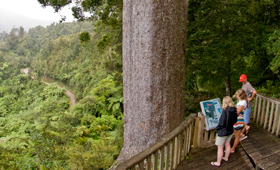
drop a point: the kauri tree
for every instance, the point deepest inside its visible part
(154, 36)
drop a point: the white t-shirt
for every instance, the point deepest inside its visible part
(242, 103)
(240, 120)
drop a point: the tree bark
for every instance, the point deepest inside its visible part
(154, 71)
(228, 86)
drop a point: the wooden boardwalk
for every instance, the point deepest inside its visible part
(201, 159)
(261, 150)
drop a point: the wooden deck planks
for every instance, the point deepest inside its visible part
(261, 146)
(201, 159)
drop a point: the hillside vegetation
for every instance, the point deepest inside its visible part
(38, 130)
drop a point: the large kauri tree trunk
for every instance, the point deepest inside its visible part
(154, 38)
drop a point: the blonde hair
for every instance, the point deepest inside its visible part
(240, 93)
(227, 102)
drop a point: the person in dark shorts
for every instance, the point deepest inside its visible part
(238, 126)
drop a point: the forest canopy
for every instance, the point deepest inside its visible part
(39, 128)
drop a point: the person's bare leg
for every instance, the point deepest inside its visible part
(236, 140)
(241, 135)
(227, 151)
(244, 130)
(220, 154)
(247, 127)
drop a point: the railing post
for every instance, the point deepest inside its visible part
(196, 130)
(167, 156)
(271, 116)
(185, 141)
(161, 158)
(259, 111)
(172, 155)
(175, 152)
(141, 165)
(191, 135)
(212, 136)
(155, 160)
(179, 148)
(255, 108)
(263, 113)
(201, 130)
(206, 135)
(149, 162)
(276, 119)
(267, 113)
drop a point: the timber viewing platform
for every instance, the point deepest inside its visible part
(190, 146)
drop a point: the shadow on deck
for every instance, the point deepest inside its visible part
(261, 150)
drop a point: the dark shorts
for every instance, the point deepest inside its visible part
(238, 128)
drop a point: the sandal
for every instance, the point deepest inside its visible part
(225, 159)
(245, 137)
(213, 164)
(247, 130)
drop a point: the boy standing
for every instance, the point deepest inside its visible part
(251, 93)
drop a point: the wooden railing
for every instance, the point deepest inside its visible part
(171, 150)
(267, 113)
(202, 137)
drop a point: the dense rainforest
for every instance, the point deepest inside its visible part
(40, 129)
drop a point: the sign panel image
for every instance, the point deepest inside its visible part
(212, 110)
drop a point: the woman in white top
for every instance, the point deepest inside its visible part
(238, 126)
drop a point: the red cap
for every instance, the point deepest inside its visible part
(242, 78)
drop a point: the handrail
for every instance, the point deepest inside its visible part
(267, 113)
(168, 152)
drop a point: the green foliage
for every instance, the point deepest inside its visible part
(8, 158)
(274, 49)
(270, 89)
(217, 43)
(227, 39)
(94, 154)
(38, 129)
(84, 37)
